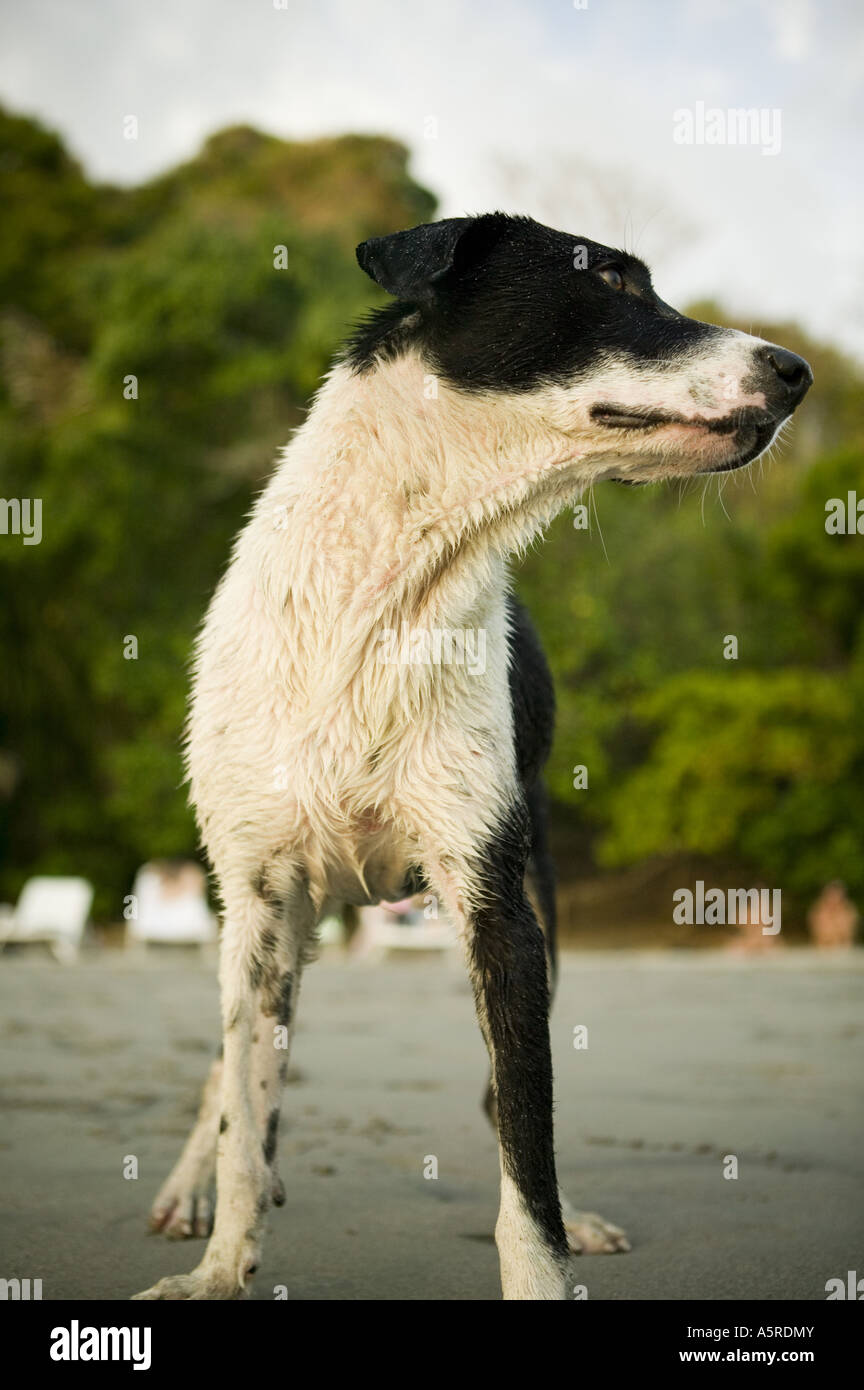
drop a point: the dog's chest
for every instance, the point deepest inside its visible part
(340, 744)
(341, 705)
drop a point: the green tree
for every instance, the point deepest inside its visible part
(158, 347)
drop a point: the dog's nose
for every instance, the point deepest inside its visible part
(791, 372)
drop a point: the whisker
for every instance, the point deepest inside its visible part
(721, 487)
(592, 501)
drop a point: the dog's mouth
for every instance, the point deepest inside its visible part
(760, 437)
(751, 429)
(625, 417)
(622, 417)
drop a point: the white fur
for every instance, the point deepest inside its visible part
(528, 1269)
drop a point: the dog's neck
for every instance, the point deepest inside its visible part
(409, 496)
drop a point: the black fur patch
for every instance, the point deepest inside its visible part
(512, 306)
(540, 873)
(415, 882)
(532, 700)
(262, 957)
(223, 1124)
(509, 971)
(532, 694)
(277, 995)
(270, 1138)
(263, 889)
(490, 1105)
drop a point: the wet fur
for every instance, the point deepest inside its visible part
(458, 421)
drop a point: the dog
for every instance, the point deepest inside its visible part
(515, 367)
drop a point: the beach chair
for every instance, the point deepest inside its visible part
(53, 911)
(401, 926)
(169, 906)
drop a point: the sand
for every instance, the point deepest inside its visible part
(690, 1058)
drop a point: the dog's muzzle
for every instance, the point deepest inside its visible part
(779, 379)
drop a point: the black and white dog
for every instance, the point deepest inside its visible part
(517, 366)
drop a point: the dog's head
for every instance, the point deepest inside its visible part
(559, 325)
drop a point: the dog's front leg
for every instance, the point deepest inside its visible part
(184, 1204)
(507, 962)
(261, 957)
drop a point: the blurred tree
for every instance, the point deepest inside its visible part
(759, 759)
(158, 345)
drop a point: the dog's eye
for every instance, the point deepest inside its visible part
(614, 279)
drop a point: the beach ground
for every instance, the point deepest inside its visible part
(693, 1059)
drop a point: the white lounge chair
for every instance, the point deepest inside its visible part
(401, 927)
(170, 906)
(51, 910)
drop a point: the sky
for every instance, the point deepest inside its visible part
(577, 112)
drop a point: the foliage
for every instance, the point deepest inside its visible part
(176, 285)
(759, 759)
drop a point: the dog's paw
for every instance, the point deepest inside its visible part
(181, 1212)
(201, 1284)
(589, 1234)
(185, 1209)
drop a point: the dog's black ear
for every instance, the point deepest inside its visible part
(410, 264)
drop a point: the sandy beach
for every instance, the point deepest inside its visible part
(691, 1057)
